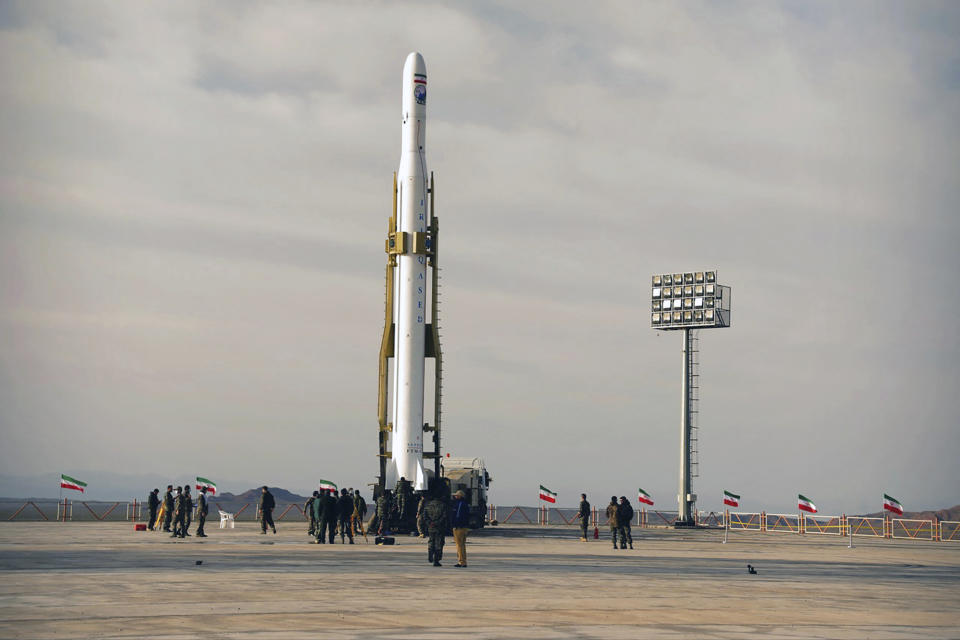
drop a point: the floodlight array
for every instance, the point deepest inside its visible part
(690, 299)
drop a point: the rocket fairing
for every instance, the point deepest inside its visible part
(410, 283)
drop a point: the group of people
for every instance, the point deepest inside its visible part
(619, 517)
(330, 513)
(176, 509)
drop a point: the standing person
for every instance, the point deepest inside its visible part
(187, 511)
(435, 520)
(421, 525)
(202, 510)
(624, 517)
(461, 523)
(403, 493)
(612, 509)
(384, 507)
(584, 515)
(308, 512)
(326, 517)
(167, 508)
(177, 514)
(359, 512)
(344, 512)
(267, 505)
(153, 502)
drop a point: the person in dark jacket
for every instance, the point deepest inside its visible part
(344, 511)
(267, 505)
(460, 521)
(584, 516)
(153, 503)
(326, 509)
(202, 511)
(624, 517)
(308, 512)
(167, 508)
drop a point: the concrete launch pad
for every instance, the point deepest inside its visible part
(103, 580)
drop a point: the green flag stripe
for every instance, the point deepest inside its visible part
(732, 495)
(64, 476)
(891, 498)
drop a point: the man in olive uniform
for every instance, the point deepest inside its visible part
(267, 504)
(178, 516)
(359, 511)
(624, 516)
(384, 509)
(436, 519)
(344, 511)
(308, 512)
(584, 515)
(167, 508)
(187, 511)
(202, 510)
(326, 517)
(612, 510)
(153, 503)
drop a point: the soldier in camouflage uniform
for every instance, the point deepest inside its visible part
(612, 510)
(403, 496)
(326, 509)
(359, 512)
(202, 511)
(187, 511)
(421, 525)
(344, 512)
(308, 512)
(436, 519)
(167, 508)
(384, 510)
(178, 515)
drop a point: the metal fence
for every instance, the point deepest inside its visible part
(782, 522)
(871, 527)
(823, 525)
(843, 525)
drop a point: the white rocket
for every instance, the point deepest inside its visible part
(410, 282)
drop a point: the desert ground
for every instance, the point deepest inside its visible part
(103, 580)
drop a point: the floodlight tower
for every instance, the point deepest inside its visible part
(689, 301)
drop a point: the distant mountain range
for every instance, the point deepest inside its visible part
(253, 495)
(953, 514)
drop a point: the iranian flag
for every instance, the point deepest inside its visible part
(326, 485)
(892, 504)
(731, 499)
(546, 495)
(805, 504)
(644, 497)
(66, 482)
(209, 485)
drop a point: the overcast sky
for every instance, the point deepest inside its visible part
(194, 198)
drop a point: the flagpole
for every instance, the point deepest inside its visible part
(60, 498)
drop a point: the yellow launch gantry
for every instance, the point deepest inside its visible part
(427, 244)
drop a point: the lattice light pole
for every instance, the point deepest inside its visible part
(688, 301)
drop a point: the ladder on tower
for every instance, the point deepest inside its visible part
(694, 388)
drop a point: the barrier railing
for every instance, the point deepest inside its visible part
(949, 531)
(861, 526)
(823, 525)
(745, 521)
(912, 529)
(782, 522)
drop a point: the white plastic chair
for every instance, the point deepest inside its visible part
(225, 518)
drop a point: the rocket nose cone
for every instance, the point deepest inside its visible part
(414, 64)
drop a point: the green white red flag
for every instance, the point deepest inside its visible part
(66, 482)
(326, 485)
(731, 499)
(546, 495)
(892, 504)
(209, 485)
(805, 504)
(644, 497)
